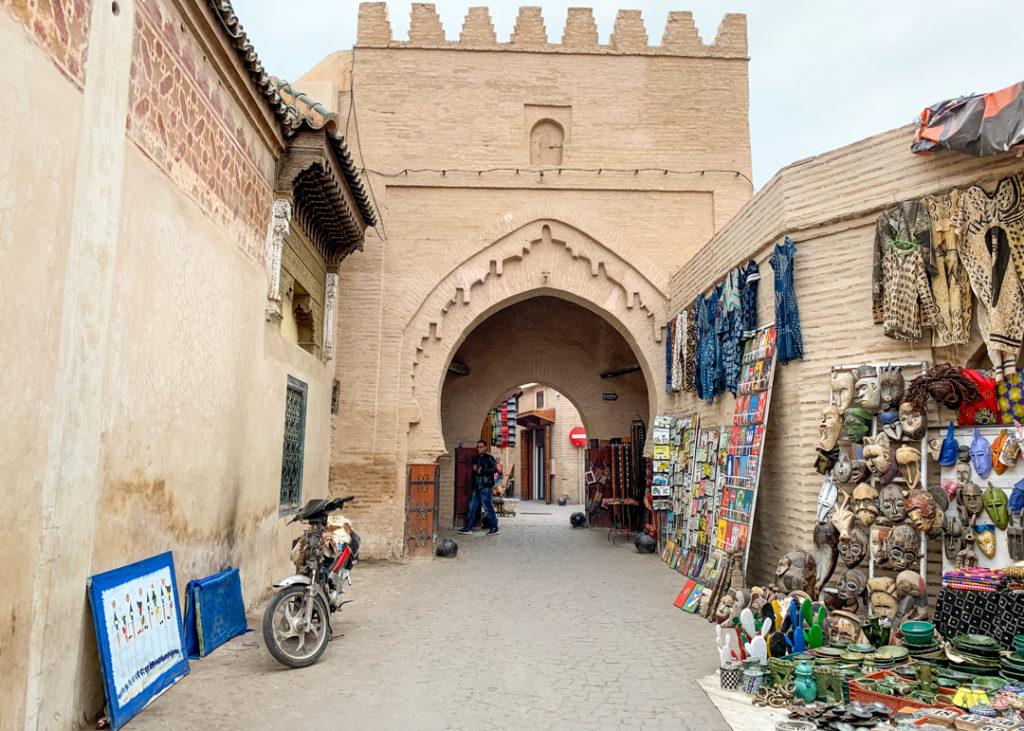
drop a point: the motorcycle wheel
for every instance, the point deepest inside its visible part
(284, 614)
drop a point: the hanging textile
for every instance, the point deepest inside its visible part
(990, 235)
(789, 339)
(668, 356)
(678, 350)
(690, 350)
(907, 302)
(748, 296)
(951, 288)
(732, 330)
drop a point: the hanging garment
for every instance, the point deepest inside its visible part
(678, 350)
(907, 302)
(748, 297)
(991, 247)
(706, 347)
(690, 352)
(907, 221)
(789, 340)
(669, 353)
(730, 331)
(951, 288)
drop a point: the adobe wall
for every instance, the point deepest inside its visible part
(142, 387)
(462, 244)
(828, 206)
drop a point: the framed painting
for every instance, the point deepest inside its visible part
(139, 634)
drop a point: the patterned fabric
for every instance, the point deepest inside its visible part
(906, 294)
(907, 221)
(999, 614)
(732, 351)
(951, 288)
(985, 411)
(678, 349)
(991, 246)
(1010, 398)
(669, 352)
(690, 352)
(748, 295)
(706, 347)
(789, 339)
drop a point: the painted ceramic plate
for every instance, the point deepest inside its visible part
(827, 651)
(857, 656)
(861, 648)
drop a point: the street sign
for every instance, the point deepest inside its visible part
(578, 436)
(609, 397)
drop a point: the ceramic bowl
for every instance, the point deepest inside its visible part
(862, 648)
(918, 633)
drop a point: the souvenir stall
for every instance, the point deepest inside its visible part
(920, 467)
(616, 480)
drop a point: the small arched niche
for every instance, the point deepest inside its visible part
(546, 143)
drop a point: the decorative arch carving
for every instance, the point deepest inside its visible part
(543, 257)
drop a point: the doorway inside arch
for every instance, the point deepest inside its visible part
(562, 366)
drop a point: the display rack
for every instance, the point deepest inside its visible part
(735, 505)
(922, 447)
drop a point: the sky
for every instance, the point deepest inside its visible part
(823, 73)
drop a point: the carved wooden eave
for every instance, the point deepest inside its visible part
(310, 173)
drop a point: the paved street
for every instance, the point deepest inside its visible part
(540, 626)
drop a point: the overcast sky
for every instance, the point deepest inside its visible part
(823, 73)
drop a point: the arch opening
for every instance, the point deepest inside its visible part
(562, 348)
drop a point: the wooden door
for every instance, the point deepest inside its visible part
(464, 457)
(526, 462)
(548, 451)
(421, 511)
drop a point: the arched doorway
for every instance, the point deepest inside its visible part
(544, 340)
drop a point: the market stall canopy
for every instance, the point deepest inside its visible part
(537, 418)
(979, 125)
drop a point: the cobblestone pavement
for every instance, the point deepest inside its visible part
(541, 625)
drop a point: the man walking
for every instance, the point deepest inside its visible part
(484, 468)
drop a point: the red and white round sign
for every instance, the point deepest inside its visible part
(578, 436)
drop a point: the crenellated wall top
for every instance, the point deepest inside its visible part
(629, 36)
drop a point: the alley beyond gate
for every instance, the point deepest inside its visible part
(540, 626)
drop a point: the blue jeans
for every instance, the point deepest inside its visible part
(481, 495)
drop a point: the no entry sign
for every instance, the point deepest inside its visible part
(578, 436)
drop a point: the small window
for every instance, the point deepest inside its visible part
(546, 143)
(540, 399)
(294, 440)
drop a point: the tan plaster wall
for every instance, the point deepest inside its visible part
(828, 206)
(35, 220)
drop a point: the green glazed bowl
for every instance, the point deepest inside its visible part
(918, 633)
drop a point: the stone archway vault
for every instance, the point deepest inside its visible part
(543, 257)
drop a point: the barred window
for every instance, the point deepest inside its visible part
(294, 439)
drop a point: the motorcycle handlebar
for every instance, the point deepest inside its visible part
(339, 502)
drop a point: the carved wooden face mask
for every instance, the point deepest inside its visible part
(912, 421)
(891, 386)
(889, 422)
(856, 424)
(952, 536)
(1015, 538)
(890, 501)
(868, 392)
(995, 503)
(829, 427)
(922, 511)
(879, 537)
(843, 469)
(865, 504)
(882, 590)
(843, 517)
(970, 497)
(986, 538)
(909, 461)
(903, 547)
(910, 583)
(854, 548)
(842, 390)
(852, 586)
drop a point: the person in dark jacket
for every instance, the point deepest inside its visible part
(484, 467)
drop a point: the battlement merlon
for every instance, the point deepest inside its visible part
(629, 36)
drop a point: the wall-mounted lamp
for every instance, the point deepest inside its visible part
(546, 275)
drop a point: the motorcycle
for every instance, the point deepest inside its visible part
(296, 622)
